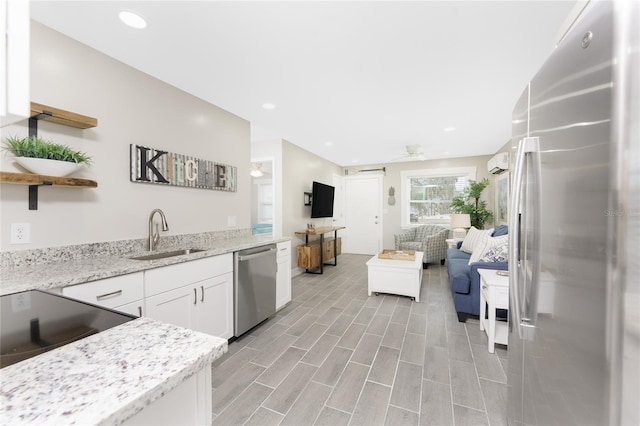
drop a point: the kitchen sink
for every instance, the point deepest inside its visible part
(164, 255)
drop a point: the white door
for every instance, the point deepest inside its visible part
(338, 201)
(363, 215)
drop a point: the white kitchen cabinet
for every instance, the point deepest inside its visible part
(196, 295)
(124, 293)
(190, 403)
(175, 306)
(215, 306)
(283, 274)
(136, 309)
(14, 61)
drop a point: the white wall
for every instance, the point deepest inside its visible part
(131, 108)
(299, 169)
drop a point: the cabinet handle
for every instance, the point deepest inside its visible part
(139, 311)
(195, 296)
(109, 295)
(202, 289)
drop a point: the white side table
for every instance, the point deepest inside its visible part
(494, 294)
(452, 242)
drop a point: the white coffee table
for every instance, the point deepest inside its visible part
(494, 294)
(403, 277)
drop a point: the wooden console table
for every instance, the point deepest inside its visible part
(312, 256)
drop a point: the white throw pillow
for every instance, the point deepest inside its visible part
(485, 245)
(473, 237)
(496, 254)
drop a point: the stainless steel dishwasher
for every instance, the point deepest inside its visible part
(254, 290)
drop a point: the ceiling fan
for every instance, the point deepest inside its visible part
(414, 153)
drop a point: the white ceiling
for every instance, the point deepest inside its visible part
(353, 82)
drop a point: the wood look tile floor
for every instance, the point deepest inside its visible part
(335, 356)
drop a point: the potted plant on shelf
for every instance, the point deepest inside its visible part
(469, 203)
(44, 157)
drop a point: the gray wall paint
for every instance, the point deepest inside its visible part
(131, 108)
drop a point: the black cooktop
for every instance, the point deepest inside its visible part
(34, 322)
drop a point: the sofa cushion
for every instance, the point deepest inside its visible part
(454, 253)
(411, 245)
(501, 230)
(486, 244)
(473, 237)
(459, 275)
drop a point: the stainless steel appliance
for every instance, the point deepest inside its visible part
(254, 293)
(34, 322)
(574, 335)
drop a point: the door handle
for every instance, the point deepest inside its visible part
(531, 150)
(525, 328)
(243, 258)
(195, 296)
(109, 295)
(202, 297)
(514, 239)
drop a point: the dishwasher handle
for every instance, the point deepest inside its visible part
(242, 258)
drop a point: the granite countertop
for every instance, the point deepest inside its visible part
(105, 378)
(63, 273)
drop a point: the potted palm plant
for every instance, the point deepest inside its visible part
(469, 203)
(44, 157)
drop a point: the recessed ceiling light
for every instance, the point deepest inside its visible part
(449, 129)
(328, 143)
(132, 19)
(268, 106)
(354, 161)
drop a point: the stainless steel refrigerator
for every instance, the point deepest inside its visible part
(574, 322)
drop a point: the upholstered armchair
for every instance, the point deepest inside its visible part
(430, 239)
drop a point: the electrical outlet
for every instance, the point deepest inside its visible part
(20, 233)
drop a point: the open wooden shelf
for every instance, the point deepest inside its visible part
(35, 181)
(309, 254)
(60, 116)
(32, 179)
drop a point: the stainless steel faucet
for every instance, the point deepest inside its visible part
(155, 237)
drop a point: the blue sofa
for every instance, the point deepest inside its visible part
(465, 280)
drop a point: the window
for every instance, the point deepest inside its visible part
(427, 194)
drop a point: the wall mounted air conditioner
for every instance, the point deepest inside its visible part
(498, 163)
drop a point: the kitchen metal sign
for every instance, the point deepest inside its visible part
(149, 165)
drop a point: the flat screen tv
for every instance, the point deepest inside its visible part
(322, 200)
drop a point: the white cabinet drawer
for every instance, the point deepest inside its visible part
(284, 250)
(170, 277)
(110, 292)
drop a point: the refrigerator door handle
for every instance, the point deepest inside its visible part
(531, 151)
(525, 328)
(514, 238)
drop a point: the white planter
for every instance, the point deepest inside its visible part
(42, 166)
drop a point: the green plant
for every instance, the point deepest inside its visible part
(36, 147)
(469, 203)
